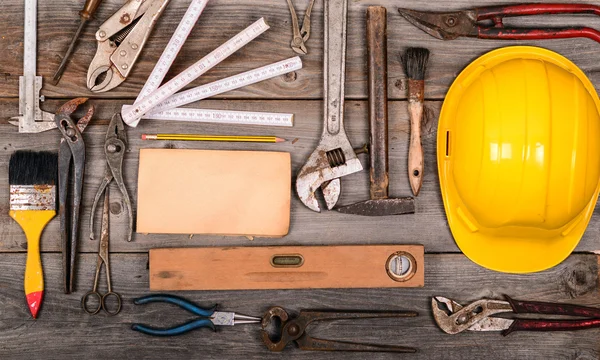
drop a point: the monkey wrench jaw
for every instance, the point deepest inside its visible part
(323, 169)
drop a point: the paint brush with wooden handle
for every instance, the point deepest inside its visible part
(415, 61)
(32, 177)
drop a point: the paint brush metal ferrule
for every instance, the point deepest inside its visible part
(32, 197)
(416, 90)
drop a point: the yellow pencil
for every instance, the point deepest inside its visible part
(197, 137)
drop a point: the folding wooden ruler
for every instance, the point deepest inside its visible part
(156, 102)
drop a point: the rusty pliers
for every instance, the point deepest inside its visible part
(454, 318)
(115, 146)
(486, 22)
(294, 330)
(301, 35)
(71, 149)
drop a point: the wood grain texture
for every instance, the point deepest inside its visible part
(64, 331)
(245, 268)
(58, 20)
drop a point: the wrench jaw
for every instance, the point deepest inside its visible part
(323, 169)
(100, 66)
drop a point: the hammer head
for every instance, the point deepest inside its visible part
(381, 207)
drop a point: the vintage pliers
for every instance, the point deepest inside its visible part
(486, 22)
(208, 317)
(294, 330)
(115, 146)
(121, 39)
(454, 318)
(72, 149)
(301, 35)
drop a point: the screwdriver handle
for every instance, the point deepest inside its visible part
(89, 9)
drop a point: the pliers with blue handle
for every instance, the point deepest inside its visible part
(209, 317)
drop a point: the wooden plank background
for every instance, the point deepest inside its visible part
(63, 330)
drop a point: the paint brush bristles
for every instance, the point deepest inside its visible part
(32, 177)
(414, 62)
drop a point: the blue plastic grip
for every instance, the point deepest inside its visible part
(176, 300)
(178, 330)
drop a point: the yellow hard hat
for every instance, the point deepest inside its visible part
(518, 151)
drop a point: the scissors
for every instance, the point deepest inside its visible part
(71, 151)
(301, 35)
(102, 258)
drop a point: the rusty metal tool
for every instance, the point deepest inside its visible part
(334, 157)
(89, 8)
(71, 150)
(208, 317)
(294, 330)
(115, 145)
(31, 118)
(121, 39)
(301, 35)
(454, 318)
(103, 258)
(486, 22)
(379, 204)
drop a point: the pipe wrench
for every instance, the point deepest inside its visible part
(120, 42)
(334, 156)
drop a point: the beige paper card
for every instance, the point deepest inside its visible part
(184, 191)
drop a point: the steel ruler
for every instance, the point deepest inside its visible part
(32, 119)
(132, 115)
(163, 111)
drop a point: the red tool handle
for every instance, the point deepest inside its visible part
(500, 33)
(538, 307)
(492, 12)
(551, 325)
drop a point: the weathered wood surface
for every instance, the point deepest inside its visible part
(64, 331)
(58, 21)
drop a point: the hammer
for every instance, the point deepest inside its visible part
(379, 204)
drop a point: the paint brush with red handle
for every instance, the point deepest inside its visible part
(415, 61)
(32, 177)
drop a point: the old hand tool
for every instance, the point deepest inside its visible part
(115, 146)
(32, 179)
(103, 258)
(486, 22)
(209, 318)
(89, 8)
(379, 204)
(71, 147)
(31, 118)
(121, 39)
(334, 156)
(454, 318)
(301, 35)
(414, 62)
(294, 330)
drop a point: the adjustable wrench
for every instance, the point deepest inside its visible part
(334, 156)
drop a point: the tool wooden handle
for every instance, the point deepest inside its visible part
(415, 150)
(378, 93)
(89, 9)
(33, 222)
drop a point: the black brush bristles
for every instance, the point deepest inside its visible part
(33, 168)
(414, 62)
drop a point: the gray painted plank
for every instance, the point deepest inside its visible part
(427, 227)
(64, 331)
